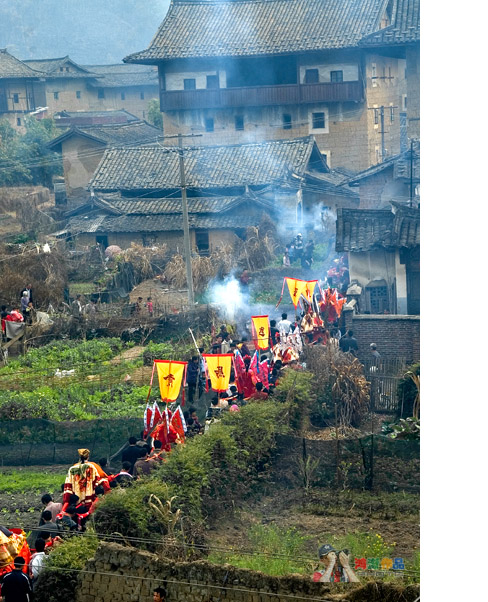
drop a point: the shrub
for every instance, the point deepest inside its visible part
(407, 391)
(295, 389)
(59, 579)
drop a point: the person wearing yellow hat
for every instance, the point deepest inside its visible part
(82, 479)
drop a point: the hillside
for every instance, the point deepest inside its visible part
(90, 32)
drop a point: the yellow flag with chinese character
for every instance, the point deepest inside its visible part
(260, 331)
(309, 289)
(296, 288)
(170, 377)
(218, 368)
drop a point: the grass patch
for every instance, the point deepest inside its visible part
(273, 551)
(23, 481)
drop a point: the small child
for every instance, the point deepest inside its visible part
(149, 306)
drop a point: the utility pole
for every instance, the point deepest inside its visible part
(382, 117)
(411, 173)
(186, 226)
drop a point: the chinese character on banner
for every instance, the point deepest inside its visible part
(260, 331)
(398, 564)
(386, 564)
(170, 376)
(360, 563)
(374, 563)
(218, 370)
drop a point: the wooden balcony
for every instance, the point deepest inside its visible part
(221, 98)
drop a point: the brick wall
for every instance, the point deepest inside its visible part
(396, 336)
(129, 575)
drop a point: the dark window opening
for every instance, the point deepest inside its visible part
(287, 125)
(311, 76)
(56, 95)
(212, 82)
(239, 123)
(378, 299)
(19, 121)
(122, 96)
(101, 93)
(67, 68)
(61, 68)
(392, 114)
(336, 76)
(16, 98)
(209, 124)
(190, 84)
(102, 241)
(78, 93)
(142, 95)
(318, 121)
(202, 242)
(376, 113)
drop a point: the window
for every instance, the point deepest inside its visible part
(287, 121)
(209, 124)
(189, 84)
(392, 114)
(61, 68)
(101, 93)
(318, 121)
(376, 118)
(142, 95)
(19, 121)
(239, 123)
(373, 75)
(16, 98)
(56, 95)
(122, 96)
(78, 93)
(212, 82)
(377, 295)
(67, 69)
(311, 76)
(202, 242)
(336, 76)
(404, 102)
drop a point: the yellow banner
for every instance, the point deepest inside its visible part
(170, 376)
(309, 289)
(219, 367)
(296, 288)
(260, 327)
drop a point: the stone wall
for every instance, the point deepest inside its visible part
(129, 575)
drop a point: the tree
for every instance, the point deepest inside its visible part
(154, 115)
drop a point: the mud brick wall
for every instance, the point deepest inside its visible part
(129, 575)
(396, 336)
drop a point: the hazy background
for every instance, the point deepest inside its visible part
(90, 31)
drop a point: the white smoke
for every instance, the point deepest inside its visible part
(231, 297)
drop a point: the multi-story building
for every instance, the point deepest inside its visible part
(60, 84)
(21, 89)
(253, 70)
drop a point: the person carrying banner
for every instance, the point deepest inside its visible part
(82, 478)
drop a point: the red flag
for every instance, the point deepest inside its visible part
(156, 415)
(178, 423)
(147, 419)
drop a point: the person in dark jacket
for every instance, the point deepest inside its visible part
(16, 586)
(192, 373)
(349, 343)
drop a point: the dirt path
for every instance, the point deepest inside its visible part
(129, 355)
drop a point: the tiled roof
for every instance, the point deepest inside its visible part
(123, 75)
(84, 118)
(198, 205)
(400, 164)
(51, 68)
(158, 223)
(405, 28)
(368, 229)
(206, 28)
(113, 134)
(157, 167)
(11, 68)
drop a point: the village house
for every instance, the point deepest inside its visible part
(229, 188)
(21, 89)
(82, 145)
(396, 179)
(383, 247)
(253, 70)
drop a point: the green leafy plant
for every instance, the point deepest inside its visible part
(406, 428)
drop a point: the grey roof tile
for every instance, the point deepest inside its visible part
(12, 68)
(123, 75)
(152, 167)
(405, 28)
(113, 134)
(207, 28)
